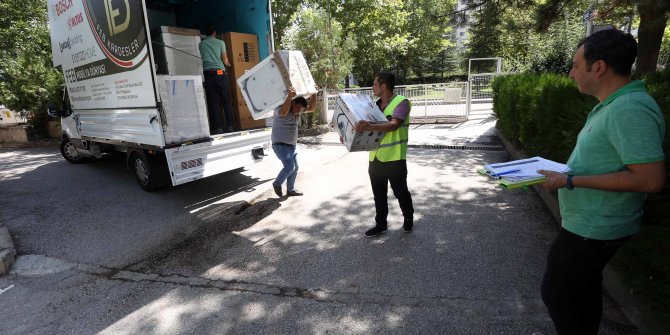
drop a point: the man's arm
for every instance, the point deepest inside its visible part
(287, 103)
(224, 58)
(392, 125)
(311, 104)
(644, 178)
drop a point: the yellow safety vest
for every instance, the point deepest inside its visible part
(393, 146)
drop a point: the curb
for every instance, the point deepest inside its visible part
(629, 304)
(7, 251)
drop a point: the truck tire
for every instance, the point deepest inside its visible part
(70, 153)
(149, 173)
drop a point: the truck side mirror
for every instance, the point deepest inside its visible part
(52, 110)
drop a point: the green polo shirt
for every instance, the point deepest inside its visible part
(210, 51)
(627, 128)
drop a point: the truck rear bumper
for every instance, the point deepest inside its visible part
(225, 153)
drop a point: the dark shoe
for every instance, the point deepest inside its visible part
(377, 230)
(278, 190)
(407, 225)
(230, 129)
(217, 131)
(294, 193)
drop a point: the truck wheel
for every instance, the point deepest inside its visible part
(147, 172)
(70, 153)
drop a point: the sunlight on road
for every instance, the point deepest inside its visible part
(14, 164)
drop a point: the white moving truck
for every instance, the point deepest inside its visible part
(114, 100)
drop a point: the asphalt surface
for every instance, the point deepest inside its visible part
(225, 255)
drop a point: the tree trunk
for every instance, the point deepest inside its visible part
(653, 18)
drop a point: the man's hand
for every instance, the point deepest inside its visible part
(341, 139)
(554, 181)
(362, 126)
(291, 92)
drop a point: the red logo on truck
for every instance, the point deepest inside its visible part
(62, 6)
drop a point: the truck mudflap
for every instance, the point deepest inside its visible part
(190, 162)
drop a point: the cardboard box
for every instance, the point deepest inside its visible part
(178, 52)
(265, 86)
(242, 51)
(184, 108)
(351, 108)
(243, 119)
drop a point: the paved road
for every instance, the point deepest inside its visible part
(198, 258)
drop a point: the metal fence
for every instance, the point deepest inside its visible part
(430, 102)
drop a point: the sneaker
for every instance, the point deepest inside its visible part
(230, 129)
(407, 225)
(217, 131)
(294, 193)
(278, 190)
(376, 230)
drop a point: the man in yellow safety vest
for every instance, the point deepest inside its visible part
(388, 163)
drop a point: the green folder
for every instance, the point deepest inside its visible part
(508, 184)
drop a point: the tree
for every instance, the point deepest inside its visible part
(283, 14)
(486, 33)
(327, 52)
(428, 46)
(653, 20)
(27, 79)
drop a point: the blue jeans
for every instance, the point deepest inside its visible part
(289, 158)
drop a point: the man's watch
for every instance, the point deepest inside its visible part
(568, 183)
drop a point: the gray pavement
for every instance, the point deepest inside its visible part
(224, 255)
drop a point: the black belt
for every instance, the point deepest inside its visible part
(282, 143)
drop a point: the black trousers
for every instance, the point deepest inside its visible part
(572, 283)
(216, 89)
(383, 173)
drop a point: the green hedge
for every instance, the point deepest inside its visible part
(543, 114)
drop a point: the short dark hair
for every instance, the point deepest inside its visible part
(615, 47)
(301, 100)
(386, 78)
(209, 29)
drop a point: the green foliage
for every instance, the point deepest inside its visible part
(27, 79)
(320, 39)
(283, 15)
(533, 108)
(486, 33)
(404, 36)
(428, 50)
(508, 30)
(658, 86)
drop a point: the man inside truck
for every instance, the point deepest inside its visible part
(214, 63)
(285, 137)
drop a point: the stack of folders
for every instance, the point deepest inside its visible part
(522, 172)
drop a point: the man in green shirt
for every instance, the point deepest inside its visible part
(617, 160)
(214, 63)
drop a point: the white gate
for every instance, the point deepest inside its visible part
(481, 72)
(445, 102)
